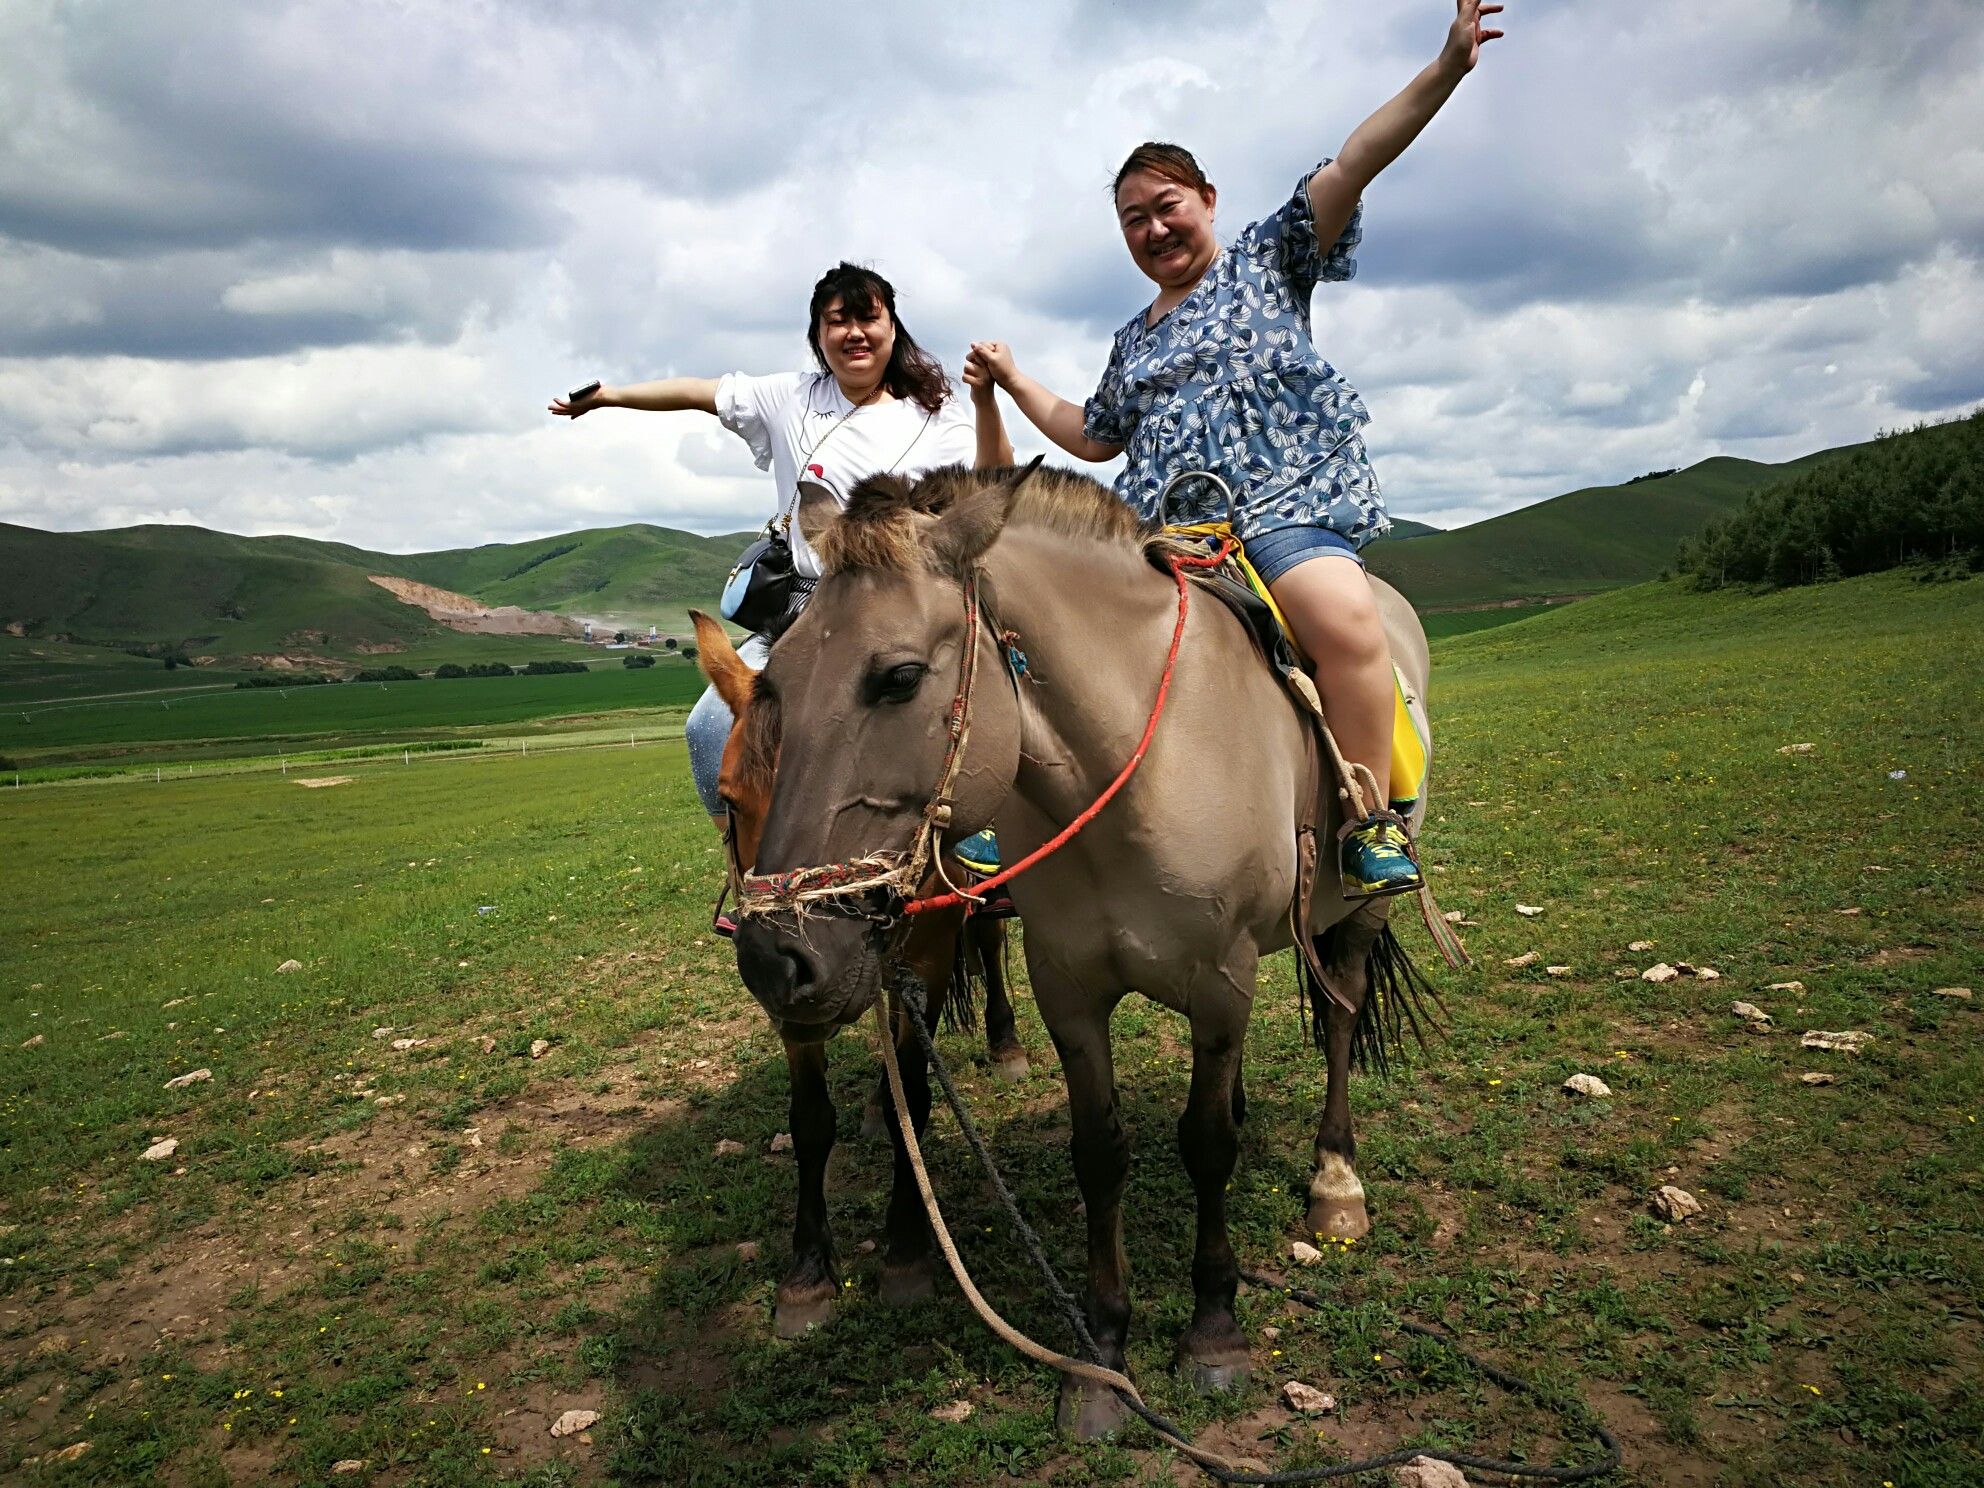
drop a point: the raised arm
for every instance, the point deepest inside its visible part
(669, 395)
(1382, 138)
(1053, 415)
(995, 449)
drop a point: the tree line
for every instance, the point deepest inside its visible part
(1913, 496)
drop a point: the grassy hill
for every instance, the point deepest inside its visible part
(216, 594)
(1601, 537)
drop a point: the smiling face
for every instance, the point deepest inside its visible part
(1167, 227)
(856, 343)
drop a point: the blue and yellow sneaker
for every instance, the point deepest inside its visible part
(979, 852)
(1376, 858)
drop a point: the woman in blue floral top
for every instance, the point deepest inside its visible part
(1220, 373)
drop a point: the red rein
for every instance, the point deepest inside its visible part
(1179, 563)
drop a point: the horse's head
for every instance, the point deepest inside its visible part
(855, 707)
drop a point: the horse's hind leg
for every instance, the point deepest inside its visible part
(986, 941)
(1086, 1411)
(805, 1298)
(1336, 1196)
(1212, 1349)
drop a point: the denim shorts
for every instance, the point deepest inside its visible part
(1275, 552)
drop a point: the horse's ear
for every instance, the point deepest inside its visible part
(817, 510)
(959, 538)
(728, 672)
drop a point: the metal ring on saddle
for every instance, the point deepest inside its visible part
(1164, 496)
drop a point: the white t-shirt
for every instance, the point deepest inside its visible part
(801, 424)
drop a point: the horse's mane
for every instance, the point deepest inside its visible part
(880, 527)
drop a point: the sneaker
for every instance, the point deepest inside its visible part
(724, 925)
(979, 852)
(1377, 859)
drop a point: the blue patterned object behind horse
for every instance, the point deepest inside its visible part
(1230, 380)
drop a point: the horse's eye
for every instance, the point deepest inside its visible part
(899, 683)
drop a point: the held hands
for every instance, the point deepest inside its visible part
(1467, 36)
(987, 365)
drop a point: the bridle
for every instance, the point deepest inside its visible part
(878, 886)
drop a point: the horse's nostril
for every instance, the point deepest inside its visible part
(778, 973)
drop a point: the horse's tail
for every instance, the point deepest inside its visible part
(959, 1008)
(1398, 999)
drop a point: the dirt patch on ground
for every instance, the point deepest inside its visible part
(460, 612)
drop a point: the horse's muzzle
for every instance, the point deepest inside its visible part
(820, 973)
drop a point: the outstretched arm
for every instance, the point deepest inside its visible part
(1382, 138)
(1053, 415)
(669, 395)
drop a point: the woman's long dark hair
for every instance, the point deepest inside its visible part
(912, 373)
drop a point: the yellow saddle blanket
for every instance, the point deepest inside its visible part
(1410, 746)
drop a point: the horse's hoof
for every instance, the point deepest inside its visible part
(1011, 1065)
(1088, 1411)
(798, 1313)
(1338, 1219)
(911, 1282)
(1215, 1379)
(873, 1122)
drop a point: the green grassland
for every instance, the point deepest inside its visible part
(1598, 538)
(419, 1257)
(262, 720)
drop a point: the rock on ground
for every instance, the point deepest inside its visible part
(34, 1043)
(1749, 1012)
(1819, 1077)
(747, 1250)
(290, 965)
(1427, 1472)
(1848, 1041)
(573, 1422)
(1304, 1253)
(1660, 971)
(539, 1048)
(1641, 945)
(1674, 1204)
(1529, 909)
(1962, 994)
(1307, 1399)
(728, 1148)
(1527, 958)
(955, 1412)
(1589, 1086)
(348, 1465)
(782, 1142)
(160, 1151)
(191, 1077)
(1785, 987)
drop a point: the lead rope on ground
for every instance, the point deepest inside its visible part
(1223, 1469)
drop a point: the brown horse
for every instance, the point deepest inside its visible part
(945, 951)
(1174, 891)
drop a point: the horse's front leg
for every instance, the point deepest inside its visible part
(805, 1298)
(909, 1270)
(1078, 1022)
(1336, 1195)
(985, 940)
(1212, 1349)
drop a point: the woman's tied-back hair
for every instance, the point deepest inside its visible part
(1172, 162)
(912, 373)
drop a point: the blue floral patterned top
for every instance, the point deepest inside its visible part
(1230, 381)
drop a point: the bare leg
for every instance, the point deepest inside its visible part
(1329, 605)
(806, 1297)
(1213, 1349)
(1336, 1196)
(1102, 1164)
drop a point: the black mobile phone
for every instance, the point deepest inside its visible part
(585, 392)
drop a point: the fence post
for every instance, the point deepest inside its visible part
(406, 756)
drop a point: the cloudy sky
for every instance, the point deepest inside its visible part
(317, 267)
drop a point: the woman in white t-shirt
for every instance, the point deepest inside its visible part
(878, 404)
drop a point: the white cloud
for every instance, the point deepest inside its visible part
(318, 267)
